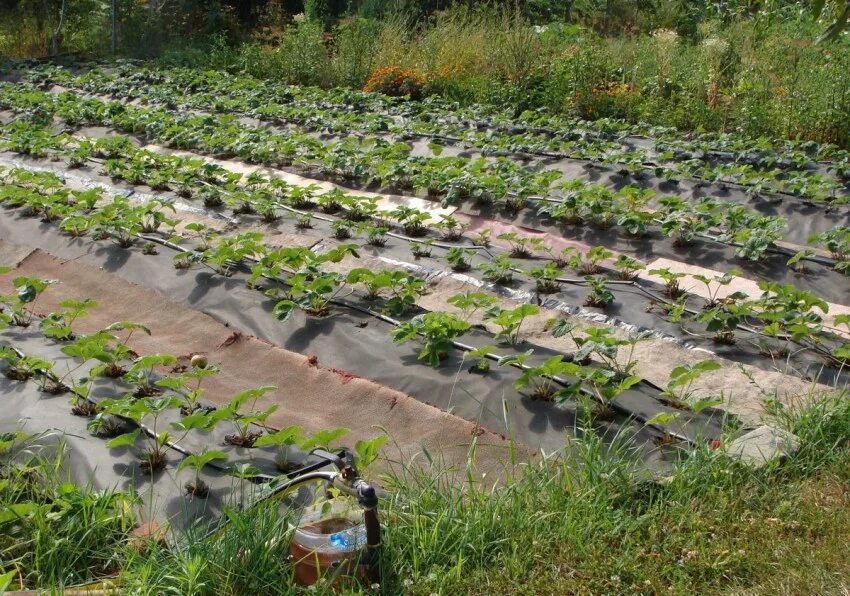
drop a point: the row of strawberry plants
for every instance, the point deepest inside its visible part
(223, 91)
(580, 203)
(760, 169)
(310, 288)
(150, 389)
(313, 290)
(265, 195)
(369, 161)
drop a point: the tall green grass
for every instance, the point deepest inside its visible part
(53, 533)
(760, 77)
(588, 520)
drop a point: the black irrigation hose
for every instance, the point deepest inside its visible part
(573, 281)
(772, 248)
(467, 348)
(560, 280)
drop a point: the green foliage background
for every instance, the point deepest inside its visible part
(740, 65)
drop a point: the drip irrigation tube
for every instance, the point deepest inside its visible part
(464, 348)
(571, 281)
(552, 199)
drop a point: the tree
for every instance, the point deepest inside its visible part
(839, 24)
(56, 34)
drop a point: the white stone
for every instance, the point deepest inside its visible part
(762, 445)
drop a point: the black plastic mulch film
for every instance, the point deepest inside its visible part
(631, 310)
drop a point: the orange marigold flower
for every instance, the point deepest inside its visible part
(395, 81)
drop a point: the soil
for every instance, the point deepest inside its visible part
(111, 427)
(240, 441)
(197, 489)
(147, 391)
(284, 467)
(55, 388)
(664, 440)
(84, 408)
(188, 410)
(17, 375)
(153, 462)
(544, 393)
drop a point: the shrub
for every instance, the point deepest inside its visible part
(396, 82)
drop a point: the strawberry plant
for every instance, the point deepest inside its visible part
(436, 331)
(590, 262)
(498, 270)
(452, 229)
(28, 289)
(116, 351)
(685, 222)
(604, 344)
(421, 249)
(243, 422)
(358, 208)
(760, 234)
(546, 278)
(458, 258)
(679, 388)
(604, 384)
(154, 450)
(375, 235)
(411, 219)
(366, 451)
(600, 296)
(541, 379)
(153, 216)
(188, 387)
(797, 261)
(341, 229)
(22, 367)
(663, 420)
(509, 321)
(312, 293)
(283, 440)
(482, 366)
(59, 325)
(231, 251)
(723, 320)
(837, 242)
(119, 222)
(671, 281)
(331, 201)
(197, 487)
(141, 373)
(785, 310)
(521, 246)
(482, 237)
(469, 302)
(627, 268)
(714, 284)
(304, 222)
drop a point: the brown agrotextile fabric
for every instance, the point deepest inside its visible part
(308, 395)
